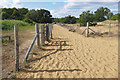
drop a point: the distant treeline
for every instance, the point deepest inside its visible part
(44, 16)
(99, 15)
(30, 16)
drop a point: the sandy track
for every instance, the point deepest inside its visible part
(71, 55)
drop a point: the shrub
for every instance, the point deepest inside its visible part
(9, 24)
(28, 20)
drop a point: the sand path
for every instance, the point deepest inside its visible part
(71, 55)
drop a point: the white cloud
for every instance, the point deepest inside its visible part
(16, 3)
(8, 4)
(76, 8)
(4, 3)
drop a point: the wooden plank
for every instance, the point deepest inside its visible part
(47, 32)
(83, 31)
(30, 47)
(109, 28)
(42, 35)
(94, 31)
(16, 48)
(37, 32)
(87, 31)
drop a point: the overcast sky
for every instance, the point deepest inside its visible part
(62, 8)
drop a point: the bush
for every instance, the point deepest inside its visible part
(28, 20)
(9, 24)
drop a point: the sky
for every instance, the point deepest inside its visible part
(62, 8)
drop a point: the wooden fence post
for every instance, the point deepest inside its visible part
(16, 48)
(47, 32)
(87, 31)
(50, 30)
(42, 35)
(79, 26)
(69, 28)
(109, 28)
(37, 32)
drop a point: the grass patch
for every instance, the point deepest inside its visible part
(9, 24)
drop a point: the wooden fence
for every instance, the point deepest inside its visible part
(40, 36)
(87, 29)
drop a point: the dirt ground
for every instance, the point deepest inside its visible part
(71, 55)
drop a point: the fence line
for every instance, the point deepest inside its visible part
(48, 32)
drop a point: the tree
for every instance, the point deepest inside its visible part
(15, 15)
(102, 14)
(7, 12)
(86, 17)
(57, 20)
(69, 19)
(31, 15)
(39, 16)
(22, 12)
(115, 17)
(109, 15)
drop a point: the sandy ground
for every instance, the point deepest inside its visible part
(71, 55)
(25, 39)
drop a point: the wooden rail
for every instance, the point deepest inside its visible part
(30, 48)
(9, 37)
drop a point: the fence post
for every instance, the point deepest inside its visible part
(47, 32)
(50, 30)
(69, 28)
(87, 31)
(42, 35)
(37, 32)
(109, 28)
(79, 26)
(16, 48)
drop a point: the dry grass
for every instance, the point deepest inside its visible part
(25, 38)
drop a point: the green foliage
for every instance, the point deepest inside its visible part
(115, 17)
(57, 20)
(102, 14)
(39, 16)
(13, 13)
(99, 15)
(30, 16)
(9, 24)
(28, 20)
(68, 19)
(85, 17)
